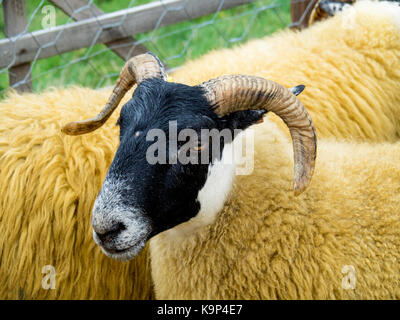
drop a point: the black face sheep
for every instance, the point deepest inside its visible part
(140, 198)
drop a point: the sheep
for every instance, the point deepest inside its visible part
(338, 240)
(49, 184)
(349, 66)
(81, 270)
(141, 198)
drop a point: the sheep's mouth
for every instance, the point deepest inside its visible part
(114, 251)
(130, 251)
(124, 254)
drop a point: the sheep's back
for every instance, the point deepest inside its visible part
(268, 244)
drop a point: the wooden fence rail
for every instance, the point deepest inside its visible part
(92, 27)
(85, 9)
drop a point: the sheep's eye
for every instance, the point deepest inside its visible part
(200, 146)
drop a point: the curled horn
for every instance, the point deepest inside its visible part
(228, 94)
(136, 70)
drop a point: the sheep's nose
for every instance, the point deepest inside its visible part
(110, 232)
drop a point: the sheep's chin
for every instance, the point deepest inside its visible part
(127, 254)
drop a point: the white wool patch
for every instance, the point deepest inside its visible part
(387, 9)
(217, 187)
(392, 9)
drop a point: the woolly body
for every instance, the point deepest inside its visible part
(267, 244)
(49, 184)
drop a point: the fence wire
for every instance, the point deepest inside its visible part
(97, 65)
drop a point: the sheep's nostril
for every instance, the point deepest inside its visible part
(106, 236)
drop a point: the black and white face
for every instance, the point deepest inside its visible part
(140, 197)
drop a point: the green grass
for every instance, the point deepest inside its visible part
(97, 66)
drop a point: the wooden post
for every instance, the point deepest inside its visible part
(15, 23)
(300, 11)
(122, 47)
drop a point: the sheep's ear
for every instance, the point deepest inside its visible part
(242, 119)
(297, 89)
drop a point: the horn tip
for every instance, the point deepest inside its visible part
(73, 129)
(299, 188)
(68, 129)
(298, 191)
(301, 183)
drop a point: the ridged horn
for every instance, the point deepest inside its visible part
(228, 94)
(136, 70)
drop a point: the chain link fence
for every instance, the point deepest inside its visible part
(58, 43)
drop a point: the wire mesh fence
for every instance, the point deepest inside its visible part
(85, 42)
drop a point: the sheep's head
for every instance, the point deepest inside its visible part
(160, 168)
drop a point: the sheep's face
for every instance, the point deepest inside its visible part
(154, 181)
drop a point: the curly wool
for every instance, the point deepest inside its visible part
(268, 244)
(350, 65)
(49, 184)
